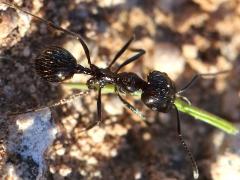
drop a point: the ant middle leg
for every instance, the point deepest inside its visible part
(99, 112)
(99, 106)
(197, 76)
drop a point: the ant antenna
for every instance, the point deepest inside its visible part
(197, 76)
(77, 36)
(193, 162)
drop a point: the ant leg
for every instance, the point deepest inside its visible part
(99, 112)
(129, 106)
(99, 106)
(60, 102)
(197, 76)
(193, 162)
(77, 36)
(120, 52)
(139, 52)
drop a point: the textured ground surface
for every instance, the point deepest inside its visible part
(181, 38)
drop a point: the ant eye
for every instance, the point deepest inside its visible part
(55, 64)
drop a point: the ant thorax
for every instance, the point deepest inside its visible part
(101, 76)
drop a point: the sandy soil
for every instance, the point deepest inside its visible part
(181, 38)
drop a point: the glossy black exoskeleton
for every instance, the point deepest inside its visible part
(159, 94)
(56, 64)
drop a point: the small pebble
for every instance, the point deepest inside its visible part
(64, 171)
(97, 134)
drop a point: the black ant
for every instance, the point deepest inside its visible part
(56, 64)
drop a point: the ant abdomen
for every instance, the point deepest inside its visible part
(55, 64)
(159, 93)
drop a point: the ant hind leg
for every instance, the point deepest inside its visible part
(58, 103)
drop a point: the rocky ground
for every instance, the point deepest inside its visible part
(181, 38)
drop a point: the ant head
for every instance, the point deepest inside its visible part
(159, 93)
(55, 64)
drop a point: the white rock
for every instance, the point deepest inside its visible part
(30, 137)
(97, 134)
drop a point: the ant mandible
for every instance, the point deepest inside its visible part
(56, 64)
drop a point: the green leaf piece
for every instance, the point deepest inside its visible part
(193, 111)
(206, 117)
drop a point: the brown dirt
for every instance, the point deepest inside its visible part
(197, 37)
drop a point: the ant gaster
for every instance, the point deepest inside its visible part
(56, 64)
